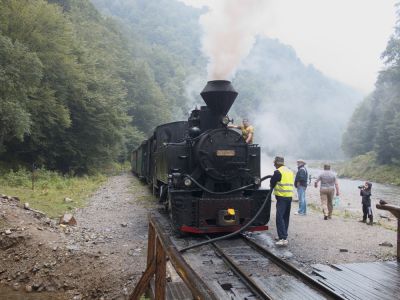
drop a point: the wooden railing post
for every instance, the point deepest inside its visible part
(395, 210)
(151, 244)
(161, 271)
(159, 248)
(144, 283)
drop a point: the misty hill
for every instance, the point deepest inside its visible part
(80, 89)
(297, 110)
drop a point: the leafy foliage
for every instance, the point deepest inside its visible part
(73, 95)
(375, 125)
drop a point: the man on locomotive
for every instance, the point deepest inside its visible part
(282, 182)
(247, 130)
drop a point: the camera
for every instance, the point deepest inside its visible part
(360, 187)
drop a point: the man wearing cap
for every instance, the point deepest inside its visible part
(282, 183)
(247, 130)
(329, 183)
(300, 182)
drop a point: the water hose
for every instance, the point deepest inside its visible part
(237, 231)
(228, 192)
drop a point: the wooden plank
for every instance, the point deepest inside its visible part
(363, 280)
(161, 271)
(151, 243)
(378, 276)
(144, 282)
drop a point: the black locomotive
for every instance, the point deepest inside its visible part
(203, 171)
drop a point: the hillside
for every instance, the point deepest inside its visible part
(274, 86)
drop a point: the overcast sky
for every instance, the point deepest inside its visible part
(342, 38)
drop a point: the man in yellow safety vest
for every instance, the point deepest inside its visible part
(283, 183)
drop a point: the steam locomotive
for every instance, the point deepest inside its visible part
(204, 172)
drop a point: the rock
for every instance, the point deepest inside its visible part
(68, 200)
(68, 219)
(386, 244)
(15, 198)
(343, 250)
(26, 205)
(7, 232)
(15, 286)
(124, 224)
(28, 288)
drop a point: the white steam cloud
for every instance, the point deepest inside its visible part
(230, 28)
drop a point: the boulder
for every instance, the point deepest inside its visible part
(68, 219)
(68, 200)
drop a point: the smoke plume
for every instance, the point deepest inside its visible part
(230, 28)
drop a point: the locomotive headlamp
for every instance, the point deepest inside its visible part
(231, 211)
(225, 120)
(187, 182)
(257, 180)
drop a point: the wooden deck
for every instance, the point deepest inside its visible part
(377, 280)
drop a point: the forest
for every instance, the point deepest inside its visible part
(84, 82)
(374, 128)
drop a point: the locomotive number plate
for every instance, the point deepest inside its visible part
(226, 153)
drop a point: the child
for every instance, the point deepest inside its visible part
(365, 193)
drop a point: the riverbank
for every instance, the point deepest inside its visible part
(365, 167)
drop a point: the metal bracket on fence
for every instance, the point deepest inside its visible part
(159, 249)
(395, 210)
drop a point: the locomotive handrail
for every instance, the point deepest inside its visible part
(160, 248)
(227, 192)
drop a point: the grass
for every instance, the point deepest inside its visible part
(50, 189)
(365, 167)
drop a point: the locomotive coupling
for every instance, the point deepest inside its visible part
(228, 217)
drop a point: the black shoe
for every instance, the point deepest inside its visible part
(325, 217)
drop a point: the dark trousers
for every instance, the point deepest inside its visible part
(367, 211)
(283, 205)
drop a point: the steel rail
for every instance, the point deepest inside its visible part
(247, 281)
(291, 269)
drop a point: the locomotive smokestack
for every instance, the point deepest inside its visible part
(219, 96)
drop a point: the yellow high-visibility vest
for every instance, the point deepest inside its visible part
(284, 188)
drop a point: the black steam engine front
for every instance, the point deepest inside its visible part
(204, 172)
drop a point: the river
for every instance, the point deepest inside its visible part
(350, 198)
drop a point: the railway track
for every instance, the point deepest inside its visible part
(243, 268)
(268, 276)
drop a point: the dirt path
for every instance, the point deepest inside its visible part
(100, 258)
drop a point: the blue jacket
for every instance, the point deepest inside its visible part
(301, 177)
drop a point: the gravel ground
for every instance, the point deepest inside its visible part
(105, 254)
(343, 239)
(101, 258)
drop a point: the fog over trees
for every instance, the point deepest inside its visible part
(83, 82)
(374, 127)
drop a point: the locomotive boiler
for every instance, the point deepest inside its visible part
(204, 172)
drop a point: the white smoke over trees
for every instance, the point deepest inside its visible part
(230, 30)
